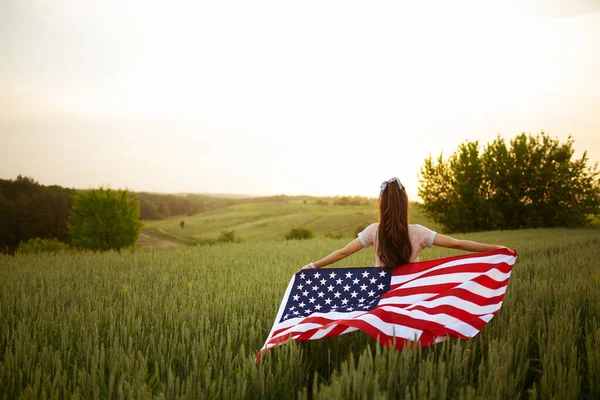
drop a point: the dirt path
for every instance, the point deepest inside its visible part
(147, 240)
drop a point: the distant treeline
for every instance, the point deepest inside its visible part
(30, 210)
(155, 206)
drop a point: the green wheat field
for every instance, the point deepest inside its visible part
(188, 321)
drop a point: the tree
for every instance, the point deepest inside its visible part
(534, 182)
(104, 219)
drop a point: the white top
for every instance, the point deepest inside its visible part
(420, 237)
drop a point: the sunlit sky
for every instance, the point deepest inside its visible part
(312, 97)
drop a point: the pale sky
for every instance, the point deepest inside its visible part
(312, 97)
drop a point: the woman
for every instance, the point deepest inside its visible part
(396, 241)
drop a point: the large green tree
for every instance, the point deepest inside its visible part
(104, 219)
(533, 182)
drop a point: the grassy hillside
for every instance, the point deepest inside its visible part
(187, 322)
(259, 222)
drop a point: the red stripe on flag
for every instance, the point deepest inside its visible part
(490, 283)
(400, 291)
(469, 296)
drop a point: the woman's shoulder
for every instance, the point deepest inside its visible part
(367, 235)
(419, 230)
(371, 229)
(417, 227)
(422, 234)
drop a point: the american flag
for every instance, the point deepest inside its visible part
(424, 303)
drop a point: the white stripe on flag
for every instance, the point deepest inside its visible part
(440, 318)
(333, 315)
(300, 328)
(464, 329)
(391, 329)
(413, 298)
(486, 318)
(457, 302)
(481, 290)
(322, 332)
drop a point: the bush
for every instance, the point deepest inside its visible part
(228, 237)
(533, 183)
(104, 219)
(334, 235)
(348, 201)
(202, 242)
(39, 245)
(224, 237)
(299, 233)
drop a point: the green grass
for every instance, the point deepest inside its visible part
(187, 322)
(259, 222)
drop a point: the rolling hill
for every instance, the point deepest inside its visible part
(259, 222)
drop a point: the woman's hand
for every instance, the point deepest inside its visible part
(468, 245)
(307, 266)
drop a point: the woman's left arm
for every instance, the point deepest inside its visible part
(338, 255)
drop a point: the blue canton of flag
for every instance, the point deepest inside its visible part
(335, 289)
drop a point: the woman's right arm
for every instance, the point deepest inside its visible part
(468, 245)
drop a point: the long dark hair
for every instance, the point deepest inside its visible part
(394, 244)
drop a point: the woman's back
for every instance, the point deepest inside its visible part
(396, 241)
(420, 238)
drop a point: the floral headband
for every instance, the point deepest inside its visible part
(385, 183)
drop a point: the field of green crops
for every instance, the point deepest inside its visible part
(259, 222)
(187, 322)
